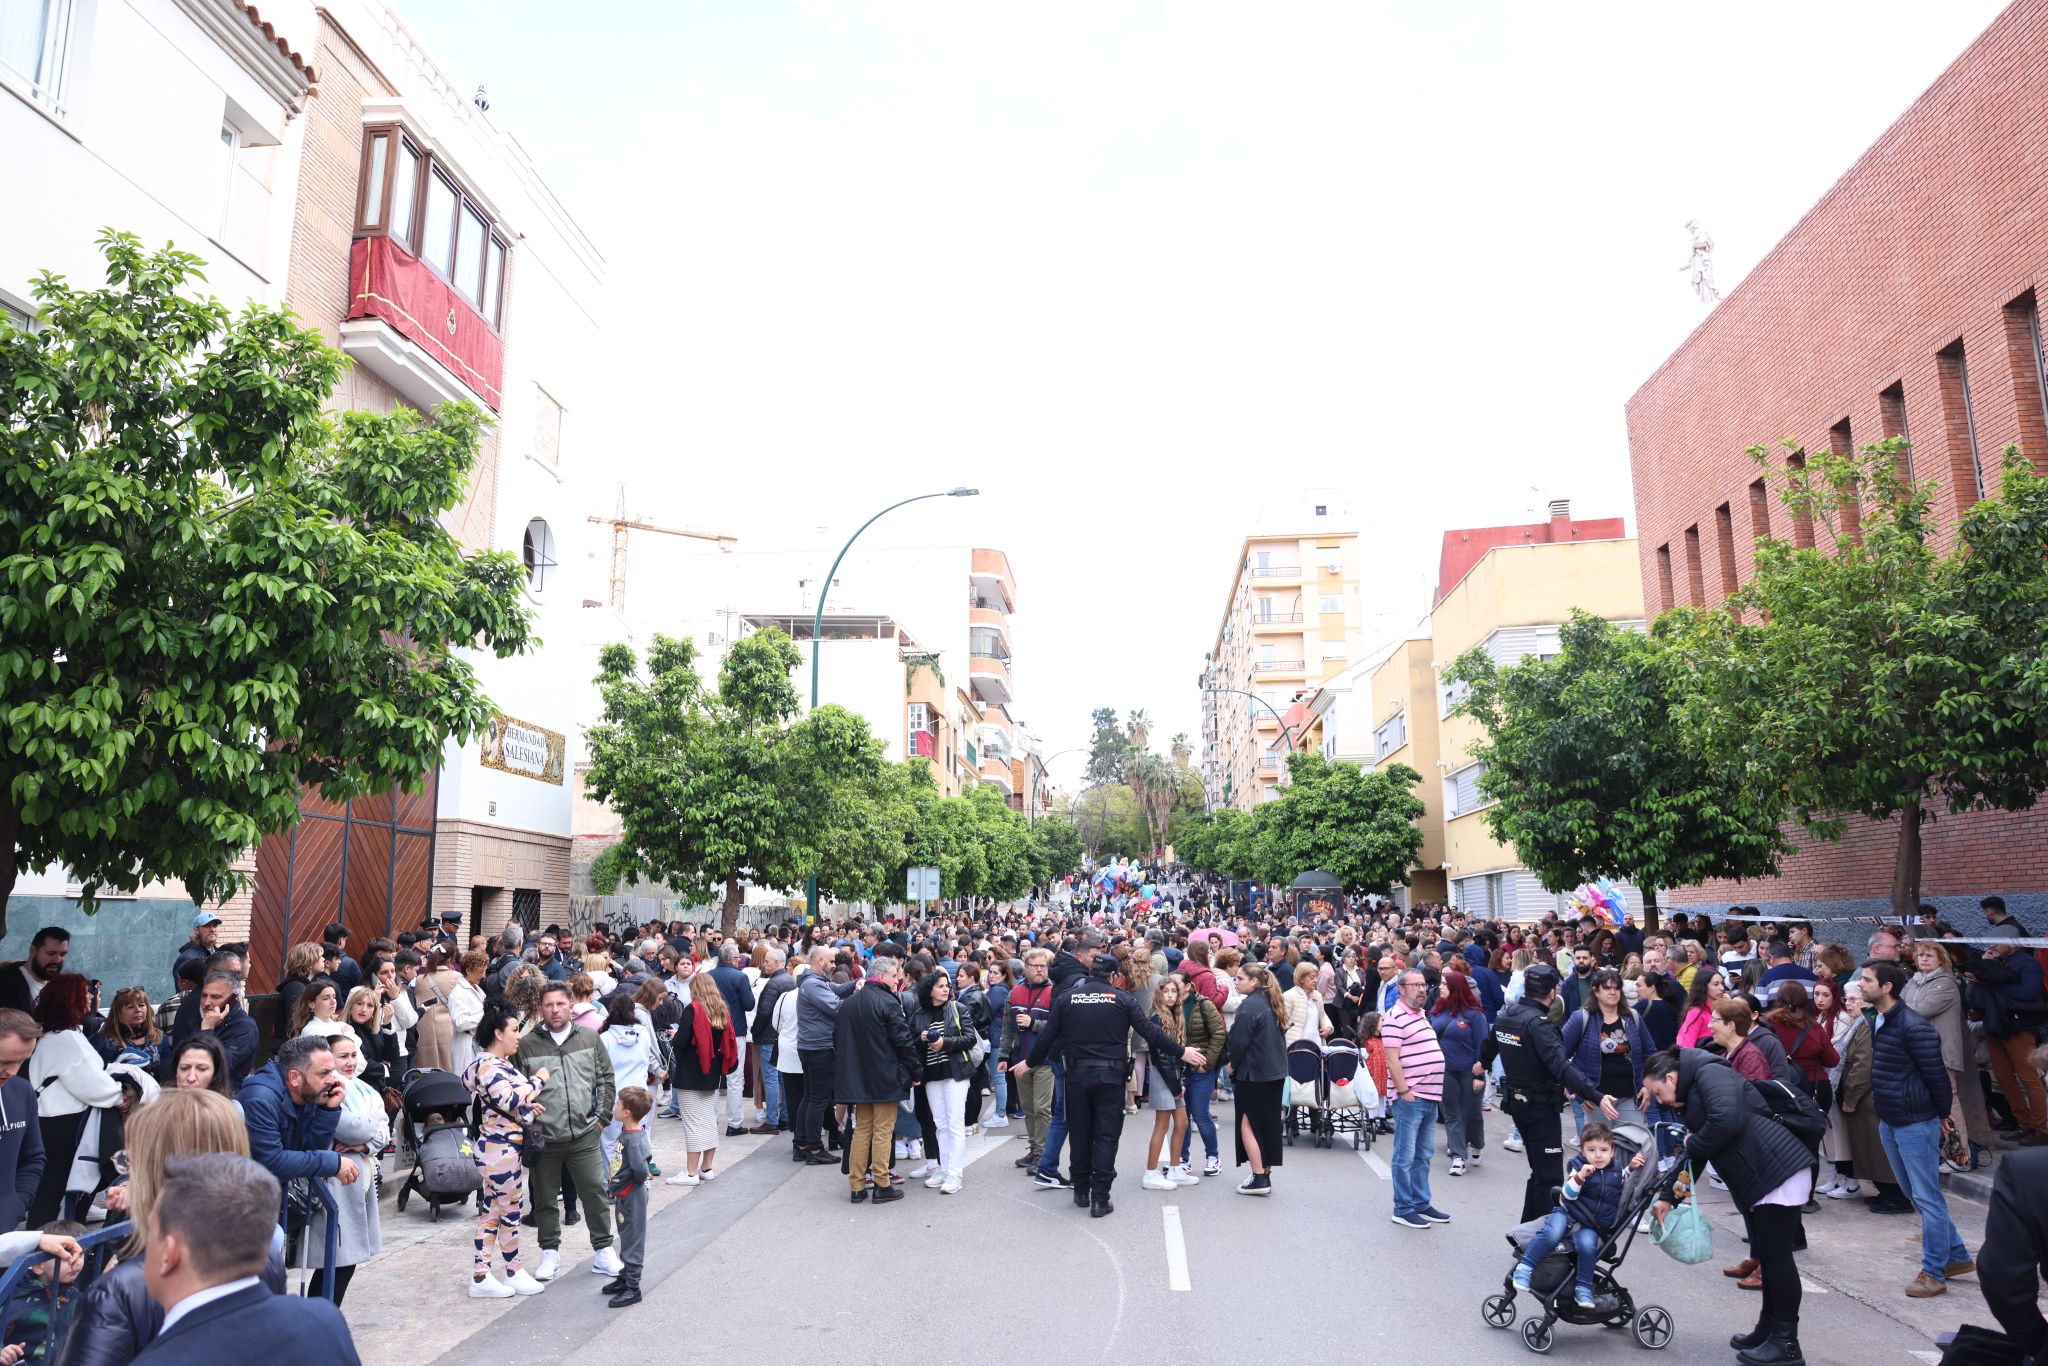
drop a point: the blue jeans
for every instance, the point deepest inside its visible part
(1414, 1145)
(1056, 1130)
(771, 1088)
(1201, 1091)
(1000, 1081)
(1585, 1242)
(1914, 1150)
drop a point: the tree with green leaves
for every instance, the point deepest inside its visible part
(1876, 673)
(1591, 775)
(1108, 748)
(213, 591)
(1359, 827)
(1224, 842)
(718, 787)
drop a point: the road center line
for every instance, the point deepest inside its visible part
(1379, 1168)
(1176, 1251)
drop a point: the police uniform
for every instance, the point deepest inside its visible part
(1537, 1073)
(1089, 1025)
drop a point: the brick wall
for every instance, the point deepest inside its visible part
(1934, 237)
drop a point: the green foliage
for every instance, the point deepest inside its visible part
(1107, 751)
(213, 591)
(1357, 826)
(1591, 775)
(1873, 674)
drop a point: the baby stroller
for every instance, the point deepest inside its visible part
(439, 1116)
(1555, 1277)
(1304, 1091)
(1349, 1098)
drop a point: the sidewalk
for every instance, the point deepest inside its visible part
(411, 1302)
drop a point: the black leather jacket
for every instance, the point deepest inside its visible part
(115, 1317)
(956, 1023)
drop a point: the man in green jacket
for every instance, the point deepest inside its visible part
(576, 1099)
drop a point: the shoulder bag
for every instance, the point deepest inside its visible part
(533, 1139)
(978, 1054)
(1684, 1233)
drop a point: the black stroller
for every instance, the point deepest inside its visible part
(1555, 1277)
(439, 1116)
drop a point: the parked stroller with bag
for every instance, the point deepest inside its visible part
(439, 1116)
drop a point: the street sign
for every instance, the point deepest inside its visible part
(922, 885)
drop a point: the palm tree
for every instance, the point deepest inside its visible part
(1139, 728)
(1183, 750)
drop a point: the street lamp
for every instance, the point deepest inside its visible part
(1044, 764)
(1268, 706)
(818, 633)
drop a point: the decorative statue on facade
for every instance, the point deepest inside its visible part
(1700, 269)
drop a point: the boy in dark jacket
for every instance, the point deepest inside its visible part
(1590, 1210)
(632, 1163)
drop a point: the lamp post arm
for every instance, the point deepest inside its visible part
(818, 621)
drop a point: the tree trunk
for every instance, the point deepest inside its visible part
(1906, 869)
(10, 828)
(1649, 910)
(729, 914)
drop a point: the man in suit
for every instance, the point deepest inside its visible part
(209, 1239)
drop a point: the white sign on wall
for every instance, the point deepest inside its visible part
(922, 885)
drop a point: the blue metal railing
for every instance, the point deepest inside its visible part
(332, 1250)
(18, 1291)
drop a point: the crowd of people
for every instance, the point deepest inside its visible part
(879, 1046)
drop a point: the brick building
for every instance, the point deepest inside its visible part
(1903, 304)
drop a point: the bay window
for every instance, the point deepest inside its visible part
(407, 195)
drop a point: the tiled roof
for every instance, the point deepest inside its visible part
(270, 32)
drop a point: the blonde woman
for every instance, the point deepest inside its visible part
(1936, 996)
(1166, 1096)
(114, 1318)
(301, 966)
(366, 1014)
(466, 1010)
(1306, 1018)
(362, 1132)
(706, 1052)
(1141, 974)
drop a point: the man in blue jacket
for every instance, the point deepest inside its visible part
(21, 1131)
(209, 1240)
(291, 1106)
(1910, 1092)
(739, 1003)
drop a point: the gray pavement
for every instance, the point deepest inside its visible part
(772, 1261)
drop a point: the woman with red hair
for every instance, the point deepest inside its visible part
(1460, 1027)
(70, 1080)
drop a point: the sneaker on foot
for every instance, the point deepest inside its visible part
(1181, 1176)
(606, 1263)
(491, 1288)
(1157, 1180)
(1213, 1167)
(708, 1174)
(936, 1179)
(1050, 1181)
(1457, 1166)
(1261, 1184)
(625, 1298)
(1585, 1300)
(1522, 1280)
(1514, 1143)
(680, 1179)
(922, 1170)
(523, 1284)
(951, 1185)
(1844, 1189)
(1405, 1220)
(550, 1263)
(1434, 1215)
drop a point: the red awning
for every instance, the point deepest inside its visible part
(388, 283)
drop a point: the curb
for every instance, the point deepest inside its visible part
(1974, 1185)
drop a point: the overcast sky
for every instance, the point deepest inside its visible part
(1134, 269)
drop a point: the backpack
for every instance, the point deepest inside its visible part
(1794, 1109)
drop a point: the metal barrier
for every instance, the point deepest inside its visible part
(17, 1290)
(332, 1250)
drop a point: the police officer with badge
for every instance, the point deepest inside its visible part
(1537, 1074)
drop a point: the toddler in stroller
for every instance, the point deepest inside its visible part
(1567, 1262)
(1588, 1212)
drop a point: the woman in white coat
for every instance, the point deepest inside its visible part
(361, 1131)
(466, 1010)
(71, 1081)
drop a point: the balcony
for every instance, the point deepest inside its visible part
(995, 588)
(1280, 666)
(996, 771)
(989, 677)
(989, 618)
(408, 327)
(1271, 572)
(1276, 620)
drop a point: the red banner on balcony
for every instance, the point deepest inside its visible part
(387, 282)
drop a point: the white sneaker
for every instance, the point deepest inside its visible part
(936, 1179)
(1644, 1224)
(491, 1288)
(902, 1149)
(1457, 1166)
(923, 1169)
(606, 1263)
(1824, 1187)
(1714, 1180)
(951, 1185)
(1158, 1180)
(708, 1175)
(523, 1284)
(999, 1122)
(1513, 1144)
(1181, 1176)
(1472, 1160)
(1847, 1189)
(550, 1263)
(680, 1179)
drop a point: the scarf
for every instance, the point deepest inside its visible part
(706, 1039)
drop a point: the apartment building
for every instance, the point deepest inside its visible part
(1904, 303)
(1295, 615)
(426, 246)
(176, 120)
(1507, 591)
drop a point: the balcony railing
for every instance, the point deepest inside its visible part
(1280, 666)
(1277, 619)
(1276, 571)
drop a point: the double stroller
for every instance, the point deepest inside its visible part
(440, 1118)
(1329, 1092)
(1555, 1277)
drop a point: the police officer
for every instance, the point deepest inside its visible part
(1089, 1025)
(1537, 1075)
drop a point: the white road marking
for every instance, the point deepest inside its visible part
(978, 1148)
(1176, 1252)
(1816, 1288)
(1379, 1168)
(1931, 1358)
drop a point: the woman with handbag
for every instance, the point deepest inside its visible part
(435, 1043)
(1769, 1173)
(510, 1126)
(705, 1052)
(945, 1033)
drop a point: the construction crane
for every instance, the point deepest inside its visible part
(620, 524)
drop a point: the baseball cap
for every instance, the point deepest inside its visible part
(1541, 980)
(205, 918)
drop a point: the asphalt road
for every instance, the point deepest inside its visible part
(772, 1261)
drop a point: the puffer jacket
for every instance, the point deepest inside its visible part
(1728, 1124)
(957, 1039)
(1205, 1029)
(631, 1052)
(289, 1139)
(1584, 1049)
(1908, 1080)
(578, 1096)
